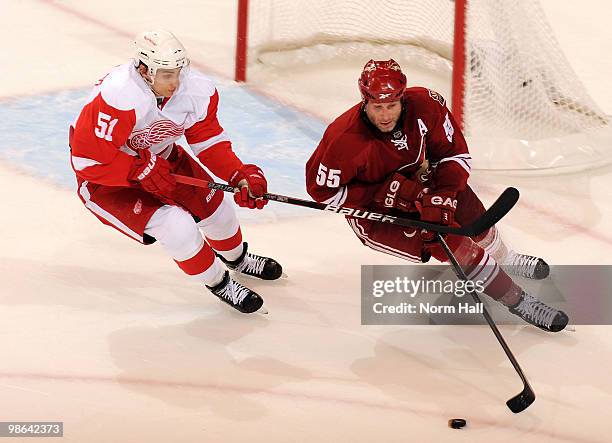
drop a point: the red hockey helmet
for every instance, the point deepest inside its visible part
(382, 81)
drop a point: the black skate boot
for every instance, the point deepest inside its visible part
(237, 296)
(254, 265)
(527, 266)
(539, 314)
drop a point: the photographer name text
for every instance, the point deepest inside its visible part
(427, 308)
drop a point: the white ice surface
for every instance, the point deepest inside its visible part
(109, 337)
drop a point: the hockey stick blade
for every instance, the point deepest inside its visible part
(522, 401)
(504, 203)
(498, 209)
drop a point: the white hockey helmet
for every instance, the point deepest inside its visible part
(159, 49)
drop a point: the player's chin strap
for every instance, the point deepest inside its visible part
(504, 203)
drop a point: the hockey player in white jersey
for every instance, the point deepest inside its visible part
(124, 152)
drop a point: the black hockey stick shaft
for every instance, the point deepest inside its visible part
(498, 209)
(526, 397)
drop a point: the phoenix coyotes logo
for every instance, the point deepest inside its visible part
(437, 97)
(157, 133)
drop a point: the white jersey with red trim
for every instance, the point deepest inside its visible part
(122, 115)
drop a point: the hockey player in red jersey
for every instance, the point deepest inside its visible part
(400, 149)
(123, 151)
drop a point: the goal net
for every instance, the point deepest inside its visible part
(521, 105)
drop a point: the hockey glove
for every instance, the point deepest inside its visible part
(398, 192)
(153, 174)
(437, 207)
(253, 185)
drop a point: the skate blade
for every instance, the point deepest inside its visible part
(263, 310)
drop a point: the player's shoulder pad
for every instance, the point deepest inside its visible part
(125, 90)
(419, 94)
(196, 85)
(345, 122)
(197, 92)
(341, 135)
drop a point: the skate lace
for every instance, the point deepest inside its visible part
(537, 311)
(523, 265)
(234, 292)
(252, 264)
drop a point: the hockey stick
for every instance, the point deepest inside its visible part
(526, 397)
(498, 209)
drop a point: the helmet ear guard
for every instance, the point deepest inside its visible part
(382, 81)
(159, 49)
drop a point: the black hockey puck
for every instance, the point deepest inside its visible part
(456, 423)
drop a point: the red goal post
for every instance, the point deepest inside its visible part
(241, 41)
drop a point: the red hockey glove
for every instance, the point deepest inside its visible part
(398, 192)
(437, 207)
(253, 186)
(153, 174)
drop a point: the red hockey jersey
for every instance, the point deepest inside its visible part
(354, 157)
(122, 116)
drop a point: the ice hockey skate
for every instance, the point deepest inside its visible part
(539, 314)
(527, 266)
(236, 295)
(254, 265)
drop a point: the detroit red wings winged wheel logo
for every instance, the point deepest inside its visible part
(158, 132)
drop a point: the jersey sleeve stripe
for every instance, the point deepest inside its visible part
(465, 161)
(198, 148)
(339, 198)
(80, 163)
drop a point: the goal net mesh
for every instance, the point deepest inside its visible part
(518, 86)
